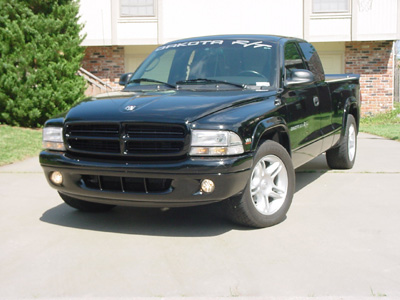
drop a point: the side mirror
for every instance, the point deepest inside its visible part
(299, 76)
(124, 79)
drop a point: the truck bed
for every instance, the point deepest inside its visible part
(340, 77)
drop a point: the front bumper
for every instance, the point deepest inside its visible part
(116, 182)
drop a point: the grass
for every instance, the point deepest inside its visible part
(18, 143)
(386, 124)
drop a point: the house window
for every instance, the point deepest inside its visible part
(330, 6)
(137, 8)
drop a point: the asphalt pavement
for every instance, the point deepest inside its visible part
(341, 240)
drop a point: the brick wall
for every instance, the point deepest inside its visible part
(105, 62)
(374, 61)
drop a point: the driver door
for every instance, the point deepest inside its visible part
(302, 102)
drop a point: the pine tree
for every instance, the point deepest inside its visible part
(40, 54)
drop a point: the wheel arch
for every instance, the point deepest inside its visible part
(274, 129)
(351, 108)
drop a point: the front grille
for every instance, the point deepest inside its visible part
(154, 139)
(143, 147)
(127, 139)
(94, 130)
(153, 131)
(95, 138)
(95, 145)
(126, 184)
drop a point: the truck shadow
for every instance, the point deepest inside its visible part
(200, 221)
(310, 172)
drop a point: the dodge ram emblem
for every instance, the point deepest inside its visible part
(130, 107)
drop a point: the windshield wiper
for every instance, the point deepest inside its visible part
(138, 80)
(206, 81)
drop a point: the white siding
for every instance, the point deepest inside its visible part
(104, 26)
(97, 21)
(326, 30)
(174, 19)
(375, 20)
(183, 18)
(366, 20)
(137, 33)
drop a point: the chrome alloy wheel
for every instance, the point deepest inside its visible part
(351, 146)
(269, 184)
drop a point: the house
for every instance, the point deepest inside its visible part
(351, 36)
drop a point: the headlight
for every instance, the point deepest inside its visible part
(215, 143)
(53, 138)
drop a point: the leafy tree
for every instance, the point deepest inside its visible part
(40, 54)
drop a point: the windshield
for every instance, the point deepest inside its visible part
(237, 63)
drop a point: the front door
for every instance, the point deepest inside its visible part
(302, 103)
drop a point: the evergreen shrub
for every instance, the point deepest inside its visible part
(40, 54)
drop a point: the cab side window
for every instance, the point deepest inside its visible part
(313, 61)
(293, 58)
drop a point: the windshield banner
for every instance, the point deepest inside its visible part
(243, 43)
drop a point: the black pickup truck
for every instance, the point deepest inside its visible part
(217, 118)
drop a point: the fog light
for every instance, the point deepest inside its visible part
(56, 178)
(207, 186)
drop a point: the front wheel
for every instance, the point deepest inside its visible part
(269, 191)
(85, 205)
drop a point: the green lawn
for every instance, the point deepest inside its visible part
(386, 124)
(18, 143)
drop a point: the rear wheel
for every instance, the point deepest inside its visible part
(269, 191)
(344, 156)
(85, 205)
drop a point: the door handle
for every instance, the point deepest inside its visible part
(316, 101)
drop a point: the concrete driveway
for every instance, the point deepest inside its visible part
(341, 239)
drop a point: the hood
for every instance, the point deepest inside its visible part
(165, 106)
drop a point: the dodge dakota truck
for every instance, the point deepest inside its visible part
(217, 118)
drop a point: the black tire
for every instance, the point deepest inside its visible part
(257, 207)
(344, 155)
(85, 206)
